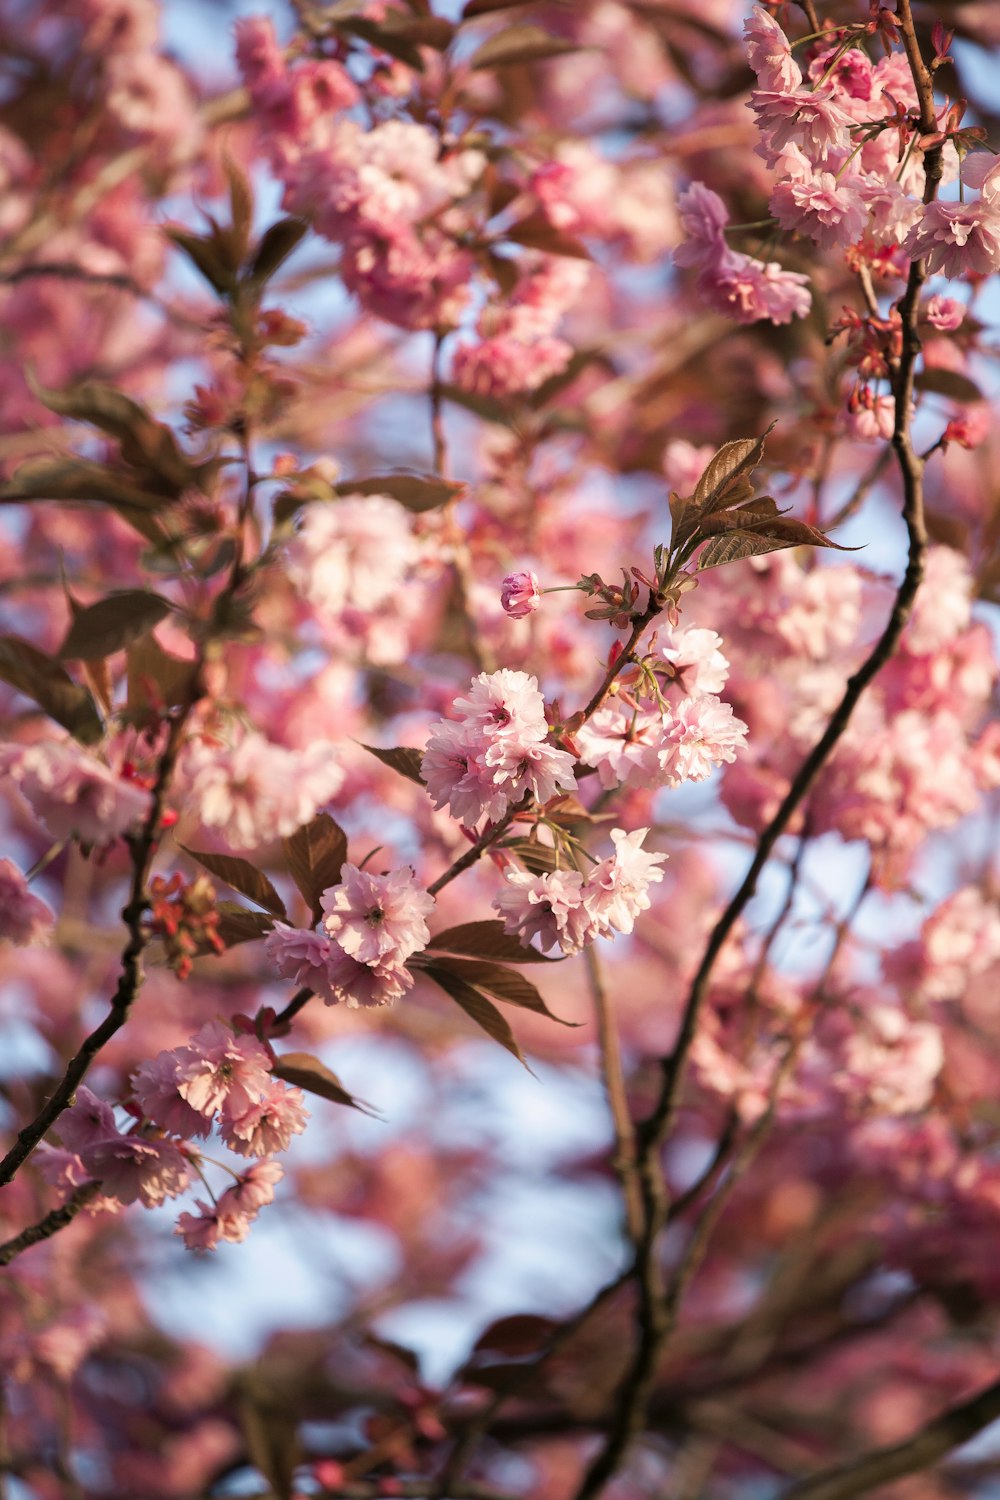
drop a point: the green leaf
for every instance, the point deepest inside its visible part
(402, 759)
(502, 983)
(517, 46)
(46, 683)
(243, 877)
(315, 854)
(779, 533)
(112, 623)
(489, 408)
(487, 939)
(476, 1007)
(307, 1072)
(417, 492)
(241, 205)
(540, 859)
(724, 484)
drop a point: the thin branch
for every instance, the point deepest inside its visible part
(652, 1322)
(614, 1088)
(54, 1220)
(955, 1426)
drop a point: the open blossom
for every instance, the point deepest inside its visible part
(23, 917)
(218, 1069)
(315, 959)
(75, 795)
(694, 656)
(88, 1119)
(812, 119)
(769, 53)
(616, 889)
(621, 744)
(253, 791)
(269, 1124)
(829, 210)
(548, 906)
(352, 553)
(519, 594)
(229, 1219)
(701, 733)
(497, 753)
(377, 919)
(957, 239)
(134, 1169)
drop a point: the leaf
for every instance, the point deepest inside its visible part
(517, 45)
(950, 383)
(307, 1072)
(112, 623)
(487, 939)
(752, 516)
(540, 859)
(517, 1335)
(417, 492)
(270, 1430)
(243, 877)
(156, 680)
(241, 205)
(724, 484)
(537, 233)
(46, 683)
(402, 759)
(477, 1008)
(385, 39)
(487, 7)
(501, 983)
(489, 408)
(204, 256)
(276, 245)
(784, 531)
(315, 854)
(237, 924)
(145, 443)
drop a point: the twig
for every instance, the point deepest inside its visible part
(652, 1323)
(614, 1087)
(54, 1220)
(955, 1426)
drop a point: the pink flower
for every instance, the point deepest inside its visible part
(230, 1218)
(519, 594)
(377, 919)
(74, 795)
(253, 792)
(616, 890)
(944, 313)
(831, 211)
(23, 917)
(367, 986)
(499, 752)
(503, 365)
(219, 1069)
(812, 119)
(943, 606)
(268, 1125)
(352, 553)
(769, 53)
(621, 744)
(701, 733)
(302, 956)
(87, 1121)
(155, 1087)
(255, 1188)
(749, 291)
(957, 239)
(698, 664)
(131, 1168)
(549, 907)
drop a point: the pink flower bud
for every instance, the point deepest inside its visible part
(520, 595)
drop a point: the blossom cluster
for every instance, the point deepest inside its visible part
(639, 739)
(372, 925)
(497, 753)
(564, 909)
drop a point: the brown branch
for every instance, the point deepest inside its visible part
(955, 1426)
(143, 847)
(652, 1322)
(614, 1088)
(54, 1220)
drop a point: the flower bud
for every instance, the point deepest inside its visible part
(520, 594)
